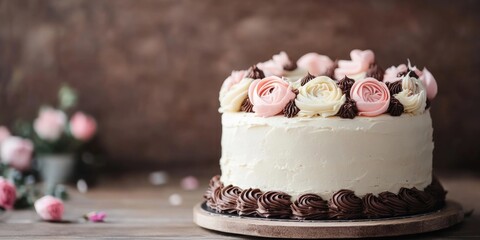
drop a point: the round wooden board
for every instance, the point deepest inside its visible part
(450, 215)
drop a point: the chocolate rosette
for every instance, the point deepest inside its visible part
(274, 205)
(418, 201)
(437, 191)
(255, 73)
(395, 108)
(246, 106)
(247, 202)
(227, 199)
(214, 188)
(395, 87)
(348, 109)
(306, 79)
(291, 110)
(374, 207)
(376, 72)
(394, 202)
(309, 206)
(345, 205)
(346, 84)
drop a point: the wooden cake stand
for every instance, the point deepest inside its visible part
(448, 216)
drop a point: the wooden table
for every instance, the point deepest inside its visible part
(137, 209)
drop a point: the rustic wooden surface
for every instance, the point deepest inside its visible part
(136, 209)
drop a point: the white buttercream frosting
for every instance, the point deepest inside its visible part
(413, 97)
(231, 99)
(319, 97)
(323, 155)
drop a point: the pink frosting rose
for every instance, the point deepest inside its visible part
(315, 63)
(4, 133)
(17, 152)
(50, 124)
(8, 194)
(49, 208)
(234, 78)
(391, 74)
(275, 66)
(372, 97)
(82, 126)
(360, 62)
(269, 95)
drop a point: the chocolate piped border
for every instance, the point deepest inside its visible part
(343, 205)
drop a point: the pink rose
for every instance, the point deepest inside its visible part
(269, 96)
(17, 152)
(234, 78)
(50, 124)
(49, 208)
(96, 216)
(315, 63)
(4, 133)
(372, 97)
(430, 84)
(82, 126)
(391, 74)
(275, 66)
(8, 194)
(360, 62)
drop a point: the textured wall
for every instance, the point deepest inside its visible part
(150, 71)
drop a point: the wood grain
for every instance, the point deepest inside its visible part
(138, 210)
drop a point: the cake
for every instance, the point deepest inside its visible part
(323, 139)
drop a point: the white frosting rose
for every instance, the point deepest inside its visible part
(320, 96)
(231, 99)
(413, 97)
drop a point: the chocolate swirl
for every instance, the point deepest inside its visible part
(291, 110)
(309, 206)
(306, 79)
(437, 191)
(417, 200)
(374, 207)
(330, 72)
(227, 199)
(376, 72)
(394, 87)
(247, 106)
(345, 205)
(255, 73)
(395, 108)
(346, 84)
(274, 205)
(395, 203)
(214, 187)
(348, 109)
(247, 202)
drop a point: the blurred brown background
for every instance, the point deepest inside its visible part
(150, 71)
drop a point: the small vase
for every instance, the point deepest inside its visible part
(56, 169)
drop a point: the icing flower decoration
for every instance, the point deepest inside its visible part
(269, 95)
(413, 97)
(4, 133)
(371, 96)
(320, 96)
(82, 126)
(392, 75)
(17, 152)
(275, 66)
(357, 67)
(50, 124)
(95, 216)
(315, 63)
(49, 208)
(234, 91)
(8, 194)
(429, 83)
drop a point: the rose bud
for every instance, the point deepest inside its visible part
(8, 194)
(49, 208)
(82, 126)
(50, 124)
(17, 153)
